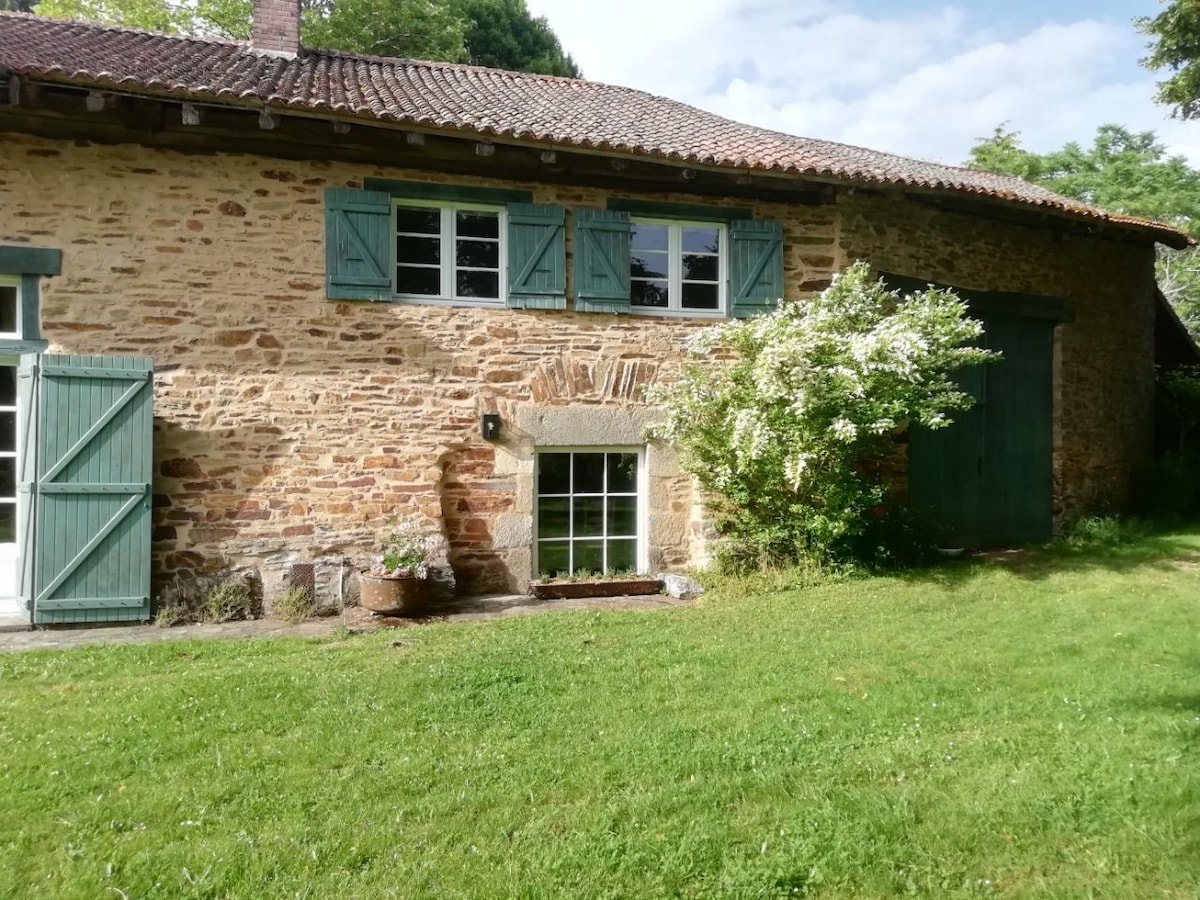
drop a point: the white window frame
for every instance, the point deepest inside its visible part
(675, 256)
(14, 501)
(641, 555)
(13, 281)
(448, 268)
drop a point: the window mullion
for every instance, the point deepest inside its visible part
(675, 267)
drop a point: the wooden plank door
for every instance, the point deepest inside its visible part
(986, 479)
(91, 514)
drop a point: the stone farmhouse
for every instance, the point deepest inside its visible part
(259, 302)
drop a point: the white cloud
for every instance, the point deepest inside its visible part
(924, 84)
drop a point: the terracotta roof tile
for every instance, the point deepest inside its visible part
(490, 102)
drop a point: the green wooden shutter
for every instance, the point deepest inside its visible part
(537, 256)
(358, 244)
(601, 260)
(92, 489)
(755, 266)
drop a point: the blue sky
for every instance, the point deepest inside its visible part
(915, 77)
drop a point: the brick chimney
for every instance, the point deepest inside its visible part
(275, 27)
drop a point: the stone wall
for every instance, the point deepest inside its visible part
(292, 429)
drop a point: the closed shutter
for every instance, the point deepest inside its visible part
(755, 266)
(358, 244)
(537, 263)
(601, 260)
(94, 427)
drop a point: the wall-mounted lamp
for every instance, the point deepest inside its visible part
(489, 426)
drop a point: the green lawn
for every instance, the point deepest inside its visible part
(1023, 729)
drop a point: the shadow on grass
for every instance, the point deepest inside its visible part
(1166, 552)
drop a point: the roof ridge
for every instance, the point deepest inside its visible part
(124, 29)
(444, 64)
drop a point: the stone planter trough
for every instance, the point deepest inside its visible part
(605, 587)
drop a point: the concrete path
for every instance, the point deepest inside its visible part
(354, 618)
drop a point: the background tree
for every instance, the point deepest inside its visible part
(503, 35)
(1175, 47)
(1122, 171)
(500, 33)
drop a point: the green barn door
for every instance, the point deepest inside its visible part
(987, 478)
(91, 516)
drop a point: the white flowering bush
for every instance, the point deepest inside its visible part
(783, 417)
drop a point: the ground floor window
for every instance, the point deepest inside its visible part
(588, 511)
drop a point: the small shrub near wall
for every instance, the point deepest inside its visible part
(223, 598)
(783, 417)
(295, 604)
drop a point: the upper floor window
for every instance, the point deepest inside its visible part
(453, 251)
(677, 267)
(10, 306)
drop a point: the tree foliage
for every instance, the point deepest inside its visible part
(502, 34)
(1122, 171)
(499, 33)
(783, 434)
(1175, 48)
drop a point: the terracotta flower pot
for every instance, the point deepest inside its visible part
(392, 596)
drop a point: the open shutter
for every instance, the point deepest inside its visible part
(755, 266)
(92, 489)
(358, 244)
(537, 256)
(601, 260)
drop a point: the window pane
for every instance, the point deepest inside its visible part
(622, 555)
(554, 473)
(648, 265)
(8, 308)
(622, 516)
(554, 517)
(648, 237)
(622, 473)
(8, 431)
(588, 519)
(700, 296)
(477, 224)
(648, 293)
(701, 240)
(8, 385)
(8, 477)
(418, 250)
(589, 473)
(418, 281)
(700, 268)
(589, 556)
(418, 219)
(554, 557)
(479, 254)
(8, 522)
(484, 285)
